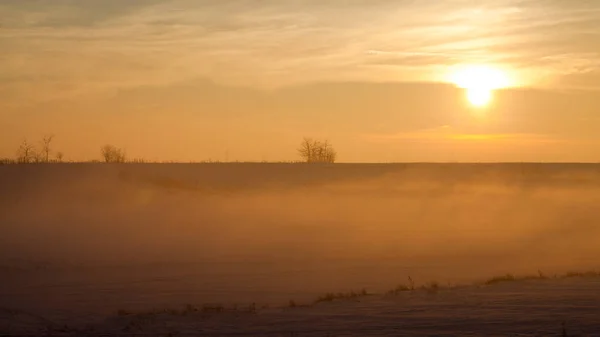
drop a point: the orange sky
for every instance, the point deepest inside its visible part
(246, 80)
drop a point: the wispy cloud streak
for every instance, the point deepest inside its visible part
(112, 44)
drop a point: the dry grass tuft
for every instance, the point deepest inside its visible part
(500, 279)
(540, 276)
(329, 297)
(403, 287)
(588, 274)
(434, 286)
(431, 287)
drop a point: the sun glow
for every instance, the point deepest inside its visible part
(479, 82)
(478, 96)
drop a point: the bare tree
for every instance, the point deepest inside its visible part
(26, 153)
(306, 149)
(112, 154)
(313, 151)
(107, 153)
(45, 152)
(59, 157)
(328, 154)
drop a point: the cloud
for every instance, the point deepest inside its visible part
(115, 44)
(67, 13)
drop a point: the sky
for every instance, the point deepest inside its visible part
(193, 80)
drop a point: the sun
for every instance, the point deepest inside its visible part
(479, 82)
(479, 97)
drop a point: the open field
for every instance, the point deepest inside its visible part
(81, 241)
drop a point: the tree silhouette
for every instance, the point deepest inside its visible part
(314, 151)
(46, 147)
(112, 154)
(26, 153)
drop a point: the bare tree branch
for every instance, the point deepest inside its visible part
(26, 153)
(46, 147)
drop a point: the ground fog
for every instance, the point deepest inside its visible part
(83, 239)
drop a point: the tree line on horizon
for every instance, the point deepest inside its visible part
(28, 153)
(310, 151)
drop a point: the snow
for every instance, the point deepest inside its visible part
(81, 241)
(520, 308)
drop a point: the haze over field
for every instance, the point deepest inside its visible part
(160, 235)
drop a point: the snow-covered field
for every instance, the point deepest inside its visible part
(81, 242)
(525, 308)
